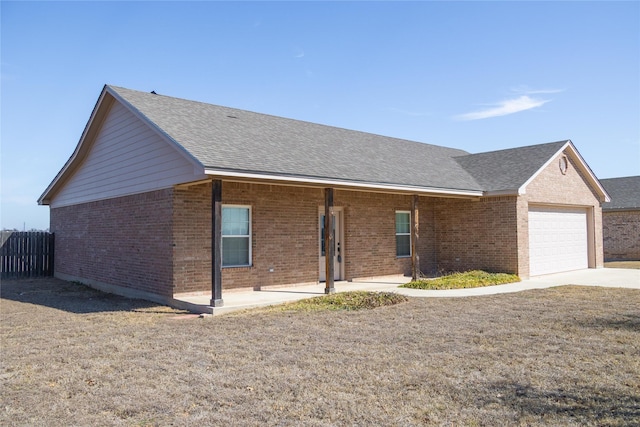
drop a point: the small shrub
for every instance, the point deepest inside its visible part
(356, 300)
(467, 279)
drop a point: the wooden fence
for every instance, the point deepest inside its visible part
(26, 254)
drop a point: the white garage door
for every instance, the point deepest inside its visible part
(557, 240)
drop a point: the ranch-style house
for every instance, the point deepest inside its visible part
(165, 197)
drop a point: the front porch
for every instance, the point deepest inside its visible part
(235, 300)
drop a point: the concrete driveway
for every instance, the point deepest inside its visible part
(609, 277)
(239, 300)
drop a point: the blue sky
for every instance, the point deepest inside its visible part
(478, 76)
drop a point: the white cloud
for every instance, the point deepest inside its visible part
(504, 108)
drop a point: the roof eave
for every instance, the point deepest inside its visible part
(624, 209)
(333, 182)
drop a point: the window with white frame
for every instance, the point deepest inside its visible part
(403, 233)
(236, 236)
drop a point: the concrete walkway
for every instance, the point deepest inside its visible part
(239, 300)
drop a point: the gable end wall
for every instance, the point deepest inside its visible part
(127, 157)
(552, 187)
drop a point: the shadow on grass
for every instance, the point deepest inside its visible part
(581, 404)
(72, 297)
(630, 322)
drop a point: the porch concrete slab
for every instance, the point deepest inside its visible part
(240, 300)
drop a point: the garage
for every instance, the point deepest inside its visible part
(558, 240)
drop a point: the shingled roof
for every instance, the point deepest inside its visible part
(228, 142)
(508, 169)
(228, 139)
(624, 193)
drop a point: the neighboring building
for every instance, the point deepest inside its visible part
(621, 219)
(156, 182)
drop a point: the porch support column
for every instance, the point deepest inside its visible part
(415, 259)
(216, 244)
(329, 240)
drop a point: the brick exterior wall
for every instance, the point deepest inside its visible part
(160, 242)
(621, 235)
(285, 232)
(124, 241)
(478, 234)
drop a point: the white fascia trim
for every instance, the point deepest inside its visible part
(331, 182)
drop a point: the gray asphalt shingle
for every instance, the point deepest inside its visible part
(237, 140)
(624, 193)
(233, 140)
(508, 169)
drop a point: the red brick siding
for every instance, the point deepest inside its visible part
(478, 234)
(370, 227)
(621, 235)
(284, 227)
(191, 239)
(285, 235)
(124, 241)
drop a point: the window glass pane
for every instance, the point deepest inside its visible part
(235, 221)
(235, 251)
(403, 245)
(403, 222)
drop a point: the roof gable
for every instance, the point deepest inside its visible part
(102, 183)
(510, 171)
(624, 192)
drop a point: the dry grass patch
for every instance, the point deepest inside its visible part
(559, 356)
(355, 300)
(467, 279)
(623, 264)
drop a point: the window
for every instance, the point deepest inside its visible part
(236, 236)
(403, 233)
